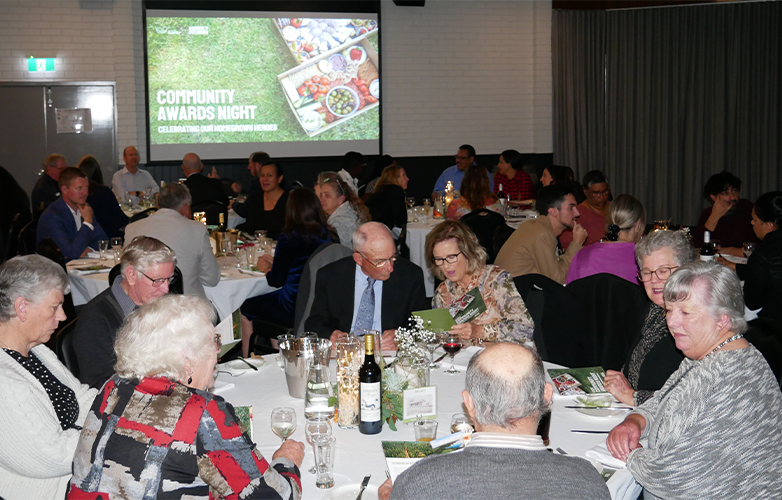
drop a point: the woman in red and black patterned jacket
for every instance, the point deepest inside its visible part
(155, 432)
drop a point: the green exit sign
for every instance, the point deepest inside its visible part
(40, 65)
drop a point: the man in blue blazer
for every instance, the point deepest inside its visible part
(69, 221)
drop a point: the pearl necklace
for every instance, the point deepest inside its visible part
(723, 344)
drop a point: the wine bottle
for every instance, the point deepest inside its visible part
(707, 250)
(503, 200)
(222, 227)
(370, 392)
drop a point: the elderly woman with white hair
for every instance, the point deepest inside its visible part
(156, 431)
(43, 405)
(715, 427)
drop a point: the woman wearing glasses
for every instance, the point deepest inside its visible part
(455, 256)
(654, 356)
(341, 204)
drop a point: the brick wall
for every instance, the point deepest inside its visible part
(454, 71)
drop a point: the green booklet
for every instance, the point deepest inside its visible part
(574, 381)
(467, 308)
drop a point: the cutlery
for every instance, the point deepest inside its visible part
(248, 363)
(561, 451)
(440, 358)
(364, 484)
(626, 408)
(577, 431)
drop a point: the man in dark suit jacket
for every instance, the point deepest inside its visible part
(340, 286)
(59, 221)
(202, 188)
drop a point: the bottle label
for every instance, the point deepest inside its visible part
(370, 402)
(707, 258)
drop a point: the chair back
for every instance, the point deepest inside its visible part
(559, 334)
(325, 254)
(64, 347)
(213, 209)
(26, 238)
(483, 223)
(177, 287)
(766, 335)
(613, 312)
(142, 215)
(501, 235)
(49, 249)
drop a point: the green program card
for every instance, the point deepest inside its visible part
(436, 320)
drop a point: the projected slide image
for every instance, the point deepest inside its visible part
(262, 80)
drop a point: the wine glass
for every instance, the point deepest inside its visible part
(431, 346)
(410, 201)
(260, 234)
(283, 422)
(460, 422)
(116, 242)
(312, 429)
(452, 344)
(749, 247)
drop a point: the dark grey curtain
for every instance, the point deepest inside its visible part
(688, 92)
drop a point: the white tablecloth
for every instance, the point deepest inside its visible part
(359, 454)
(227, 296)
(416, 241)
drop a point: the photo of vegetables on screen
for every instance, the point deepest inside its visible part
(294, 86)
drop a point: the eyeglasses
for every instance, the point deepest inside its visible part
(451, 259)
(218, 341)
(156, 282)
(381, 262)
(663, 273)
(598, 194)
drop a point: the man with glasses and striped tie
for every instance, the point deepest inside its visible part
(146, 270)
(373, 289)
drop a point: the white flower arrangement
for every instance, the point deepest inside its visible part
(412, 341)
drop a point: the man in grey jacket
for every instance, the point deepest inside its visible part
(506, 394)
(173, 225)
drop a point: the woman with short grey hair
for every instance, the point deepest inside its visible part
(722, 406)
(158, 406)
(43, 405)
(653, 355)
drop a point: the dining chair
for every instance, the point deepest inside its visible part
(64, 347)
(483, 223)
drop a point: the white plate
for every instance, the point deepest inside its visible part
(238, 367)
(346, 55)
(598, 412)
(350, 492)
(374, 88)
(735, 259)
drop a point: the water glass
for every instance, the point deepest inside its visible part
(315, 427)
(425, 430)
(260, 234)
(103, 246)
(749, 247)
(460, 422)
(427, 206)
(324, 448)
(225, 246)
(280, 339)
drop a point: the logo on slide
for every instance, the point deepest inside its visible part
(199, 30)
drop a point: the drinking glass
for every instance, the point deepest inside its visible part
(452, 344)
(116, 242)
(103, 246)
(283, 422)
(410, 202)
(425, 430)
(431, 346)
(324, 448)
(259, 235)
(749, 247)
(280, 339)
(427, 205)
(460, 422)
(225, 247)
(314, 428)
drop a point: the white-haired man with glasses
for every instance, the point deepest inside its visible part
(146, 271)
(373, 289)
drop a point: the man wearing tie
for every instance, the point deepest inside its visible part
(69, 220)
(371, 290)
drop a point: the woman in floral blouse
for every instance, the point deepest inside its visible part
(455, 256)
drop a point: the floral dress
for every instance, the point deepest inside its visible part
(506, 317)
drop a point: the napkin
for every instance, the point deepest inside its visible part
(602, 455)
(623, 486)
(93, 255)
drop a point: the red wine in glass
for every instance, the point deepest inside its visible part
(452, 344)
